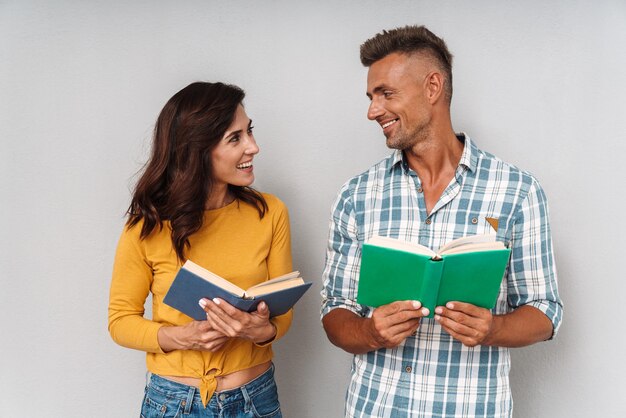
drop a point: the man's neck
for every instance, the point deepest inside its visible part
(435, 160)
(437, 156)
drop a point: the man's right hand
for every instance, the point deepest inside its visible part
(393, 323)
(388, 327)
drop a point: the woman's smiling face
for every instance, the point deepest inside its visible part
(232, 156)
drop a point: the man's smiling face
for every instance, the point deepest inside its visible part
(395, 86)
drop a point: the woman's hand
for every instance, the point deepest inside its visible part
(196, 335)
(230, 321)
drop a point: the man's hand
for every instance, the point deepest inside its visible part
(393, 323)
(467, 323)
(473, 325)
(388, 327)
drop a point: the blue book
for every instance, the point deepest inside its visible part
(193, 282)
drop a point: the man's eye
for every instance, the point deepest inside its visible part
(386, 93)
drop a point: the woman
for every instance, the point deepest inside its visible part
(194, 201)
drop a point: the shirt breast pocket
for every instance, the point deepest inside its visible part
(493, 224)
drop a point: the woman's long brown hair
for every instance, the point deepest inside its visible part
(177, 179)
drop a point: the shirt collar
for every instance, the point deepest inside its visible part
(469, 157)
(397, 158)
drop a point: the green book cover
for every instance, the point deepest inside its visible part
(391, 274)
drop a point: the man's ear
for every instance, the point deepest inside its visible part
(434, 86)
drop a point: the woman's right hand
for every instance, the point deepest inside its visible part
(196, 335)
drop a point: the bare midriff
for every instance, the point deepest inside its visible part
(228, 381)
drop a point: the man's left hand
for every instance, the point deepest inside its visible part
(467, 323)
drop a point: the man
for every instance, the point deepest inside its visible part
(436, 186)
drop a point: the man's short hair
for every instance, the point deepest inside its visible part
(410, 40)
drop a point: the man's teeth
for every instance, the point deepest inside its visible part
(245, 165)
(391, 122)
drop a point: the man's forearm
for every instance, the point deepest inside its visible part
(388, 326)
(524, 326)
(348, 331)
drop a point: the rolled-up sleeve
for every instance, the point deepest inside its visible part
(532, 273)
(343, 255)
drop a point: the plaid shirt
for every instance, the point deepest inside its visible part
(431, 374)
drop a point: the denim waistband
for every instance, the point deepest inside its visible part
(180, 390)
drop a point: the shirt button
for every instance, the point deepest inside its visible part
(420, 190)
(428, 221)
(408, 369)
(474, 221)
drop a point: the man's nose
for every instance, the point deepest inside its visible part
(375, 110)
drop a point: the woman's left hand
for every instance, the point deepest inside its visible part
(224, 317)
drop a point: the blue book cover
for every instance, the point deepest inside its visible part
(193, 283)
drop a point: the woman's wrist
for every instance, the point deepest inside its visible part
(267, 335)
(169, 338)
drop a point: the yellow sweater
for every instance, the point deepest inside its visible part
(233, 243)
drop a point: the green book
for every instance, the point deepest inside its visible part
(468, 269)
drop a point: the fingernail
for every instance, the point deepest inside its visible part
(216, 301)
(450, 305)
(202, 303)
(437, 317)
(425, 311)
(439, 310)
(417, 304)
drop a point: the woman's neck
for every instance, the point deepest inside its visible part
(219, 199)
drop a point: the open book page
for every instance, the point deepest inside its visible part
(213, 278)
(282, 282)
(467, 242)
(484, 246)
(400, 245)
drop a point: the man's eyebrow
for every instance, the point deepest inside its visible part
(376, 90)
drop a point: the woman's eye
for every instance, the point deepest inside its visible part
(234, 138)
(250, 129)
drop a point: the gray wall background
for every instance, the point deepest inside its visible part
(541, 84)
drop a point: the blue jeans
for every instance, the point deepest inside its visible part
(256, 399)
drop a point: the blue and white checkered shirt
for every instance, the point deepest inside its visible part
(431, 374)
